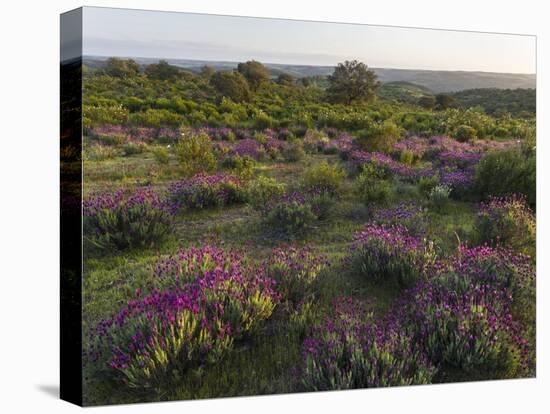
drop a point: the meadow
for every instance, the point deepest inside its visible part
(247, 233)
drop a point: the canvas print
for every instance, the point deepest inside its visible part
(277, 206)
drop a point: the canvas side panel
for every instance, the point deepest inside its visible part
(71, 217)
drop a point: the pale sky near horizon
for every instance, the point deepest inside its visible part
(123, 32)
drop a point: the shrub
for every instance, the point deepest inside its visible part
(294, 272)
(262, 190)
(293, 151)
(322, 204)
(406, 157)
(465, 133)
(243, 166)
(351, 351)
(391, 253)
(249, 147)
(314, 141)
(204, 191)
(507, 172)
(324, 177)
(427, 184)
(439, 196)
(191, 323)
(195, 154)
(121, 221)
(508, 221)
(380, 137)
(112, 139)
(370, 187)
(290, 216)
(161, 154)
(409, 215)
(460, 327)
(100, 153)
(134, 148)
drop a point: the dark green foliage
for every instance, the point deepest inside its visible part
(444, 101)
(371, 187)
(162, 71)
(232, 85)
(121, 68)
(507, 172)
(290, 219)
(286, 79)
(518, 102)
(254, 72)
(352, 81)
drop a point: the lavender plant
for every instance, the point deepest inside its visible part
(391, 254)
(120, 220)
(191, 323)
(204, 191)
(351, 350)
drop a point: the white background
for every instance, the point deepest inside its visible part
(29, 224)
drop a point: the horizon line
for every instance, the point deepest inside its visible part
(300, 64)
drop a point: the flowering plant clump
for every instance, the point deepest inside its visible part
(203, 191)
(391, 253)
(294, 271)
(390, 166)
(508, 221)
(120, 220)
(409, 215)
(473, 313)
(465, 324)
(250, 148)
(189, 324)
(351, 350)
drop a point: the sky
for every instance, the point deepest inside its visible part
(138, 33)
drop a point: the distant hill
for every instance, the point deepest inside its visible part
(437, 81)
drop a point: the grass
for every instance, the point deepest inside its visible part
(264, 363)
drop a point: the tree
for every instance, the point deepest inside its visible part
(207, 71)
(352, 81)
(162, 71)
(427, 101)
(254, 72)
(444, 101)
(121, 68)
(232, 85)
(285, 79)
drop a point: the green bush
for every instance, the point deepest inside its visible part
(262, 190)
(439, 197)
(324, 177)
(290, 218)
(133, 148)
(509, 222)
(294, 151)
(406, 157)
(371, 187)
(195, 154)
(426, 184)
(114, 140)
(100, 153)
(507, 172)
(243, 167)
(380, 137)
(161, 154)
(465, 133)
